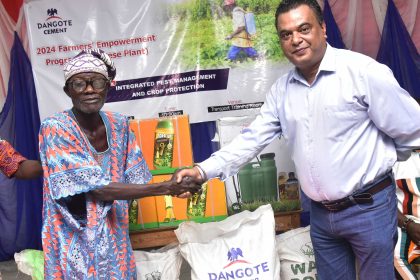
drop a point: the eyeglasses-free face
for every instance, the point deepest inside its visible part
(302, 37)
(80, 85)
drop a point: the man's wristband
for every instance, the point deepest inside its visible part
(406, 222)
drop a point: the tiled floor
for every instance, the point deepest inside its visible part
(8, 271)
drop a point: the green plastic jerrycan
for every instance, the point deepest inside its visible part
(246, 183)
(269, 172)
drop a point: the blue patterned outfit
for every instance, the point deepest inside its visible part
(98, 245)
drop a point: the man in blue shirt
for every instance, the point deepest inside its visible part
(346, 122)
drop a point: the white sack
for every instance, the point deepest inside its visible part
(164, 263)
(296, 255)
(239, 247)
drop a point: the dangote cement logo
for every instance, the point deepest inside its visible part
(233, 256)
(54, 23)
(307, 249)
(239, 268)
(52, 14)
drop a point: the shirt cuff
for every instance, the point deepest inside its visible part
(208, 168)
(202, 173)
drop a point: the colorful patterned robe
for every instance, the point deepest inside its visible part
(9, 158)
(99, 246)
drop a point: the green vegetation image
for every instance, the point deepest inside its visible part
(133, 212)
(196, 205)
(278, 206)
(202, 26)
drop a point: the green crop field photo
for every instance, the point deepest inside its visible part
(202, 26)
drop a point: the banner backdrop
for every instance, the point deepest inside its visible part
(169, 55)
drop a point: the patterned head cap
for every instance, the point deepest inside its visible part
(94, 60)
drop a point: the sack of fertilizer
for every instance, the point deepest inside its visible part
(240, 247)
(296, 253)
(164, 263)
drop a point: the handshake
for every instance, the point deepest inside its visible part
(186, 182)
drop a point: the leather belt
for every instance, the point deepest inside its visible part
(357, 198)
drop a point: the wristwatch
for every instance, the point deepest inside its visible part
(406, 222)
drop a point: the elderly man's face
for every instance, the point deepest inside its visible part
(302, 38)
(87, 91)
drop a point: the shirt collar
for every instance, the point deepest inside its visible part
(328, 64)
(328, 61)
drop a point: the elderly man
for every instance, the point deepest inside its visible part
(92, 167)
(346, 122)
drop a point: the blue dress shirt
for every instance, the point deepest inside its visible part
(344, 130)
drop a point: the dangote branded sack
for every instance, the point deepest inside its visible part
(239, 247)
(164, 263)
(296, 255)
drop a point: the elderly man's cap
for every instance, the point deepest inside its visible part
(94, 60)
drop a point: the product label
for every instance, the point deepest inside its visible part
(163, 151)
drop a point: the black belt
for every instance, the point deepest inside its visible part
(357, 198)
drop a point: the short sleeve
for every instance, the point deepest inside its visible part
(9, 159)
(71, 169)
(238, 19)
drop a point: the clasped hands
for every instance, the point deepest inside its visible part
(186, 182)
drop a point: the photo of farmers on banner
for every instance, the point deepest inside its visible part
(220, 55)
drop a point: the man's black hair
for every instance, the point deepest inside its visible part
(287, 5)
